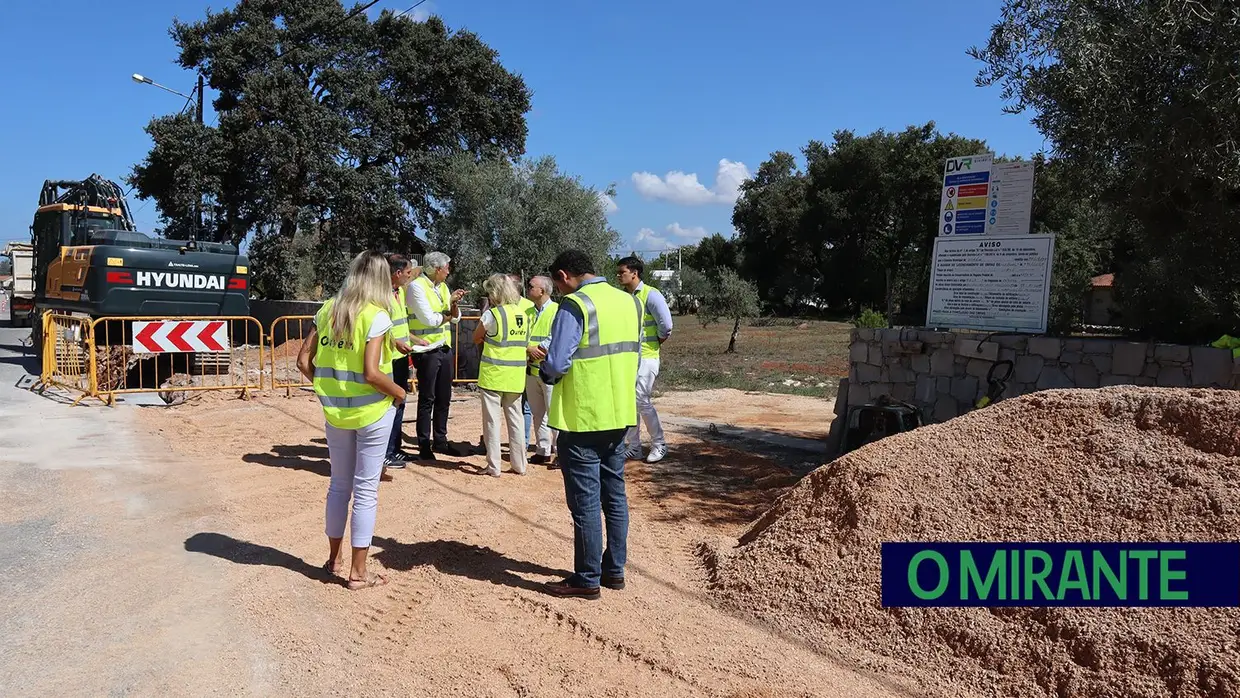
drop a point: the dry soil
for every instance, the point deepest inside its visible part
(463, 614)
(1117, 464)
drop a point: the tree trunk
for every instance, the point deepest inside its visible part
(736, 330)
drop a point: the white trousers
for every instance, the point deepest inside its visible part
(509, 404)
(647, 372)
(538, 394)
(357, 462)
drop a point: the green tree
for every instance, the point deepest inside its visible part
(1141, 101)
(713, 253)
(328, 115)
(694, 286)
(728, 297)
(855, 227)
(768, 215)
(516, 217)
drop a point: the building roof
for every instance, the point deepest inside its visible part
(1103, 281)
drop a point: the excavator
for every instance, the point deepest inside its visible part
(90, 261)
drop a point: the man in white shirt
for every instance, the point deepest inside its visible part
(431, 309)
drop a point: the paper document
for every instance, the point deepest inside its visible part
(419, 349)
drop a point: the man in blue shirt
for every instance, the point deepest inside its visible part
(657, 327)
(591, 441)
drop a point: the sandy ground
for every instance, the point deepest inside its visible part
(791, 415)
(465, 554)
(176, 551)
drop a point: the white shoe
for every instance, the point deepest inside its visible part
(656, 454)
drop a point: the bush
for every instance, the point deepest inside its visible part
(870, 319)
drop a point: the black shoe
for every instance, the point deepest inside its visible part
(424, 451)
(448, 449)
(616, 583)
(565, 589)
(397, 461)
(539, 459)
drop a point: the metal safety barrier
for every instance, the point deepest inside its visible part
(171, 355)
(66, 351)
(283, 344)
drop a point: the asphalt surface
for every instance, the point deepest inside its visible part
(92, 524)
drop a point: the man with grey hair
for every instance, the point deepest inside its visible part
(538, 393)
(431, 310)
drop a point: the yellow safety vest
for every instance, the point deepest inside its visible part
(540, 331)
(400, 324)
(527, 306)
(650, 328)
(503, 356)
(440, 299)
(1228, 342)
(348, 401)
(400, 317)
(599, 392)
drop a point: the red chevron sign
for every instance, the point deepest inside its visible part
(176, 336)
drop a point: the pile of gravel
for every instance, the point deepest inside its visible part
(1116, 464)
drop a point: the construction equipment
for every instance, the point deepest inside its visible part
(90, 260)
(21, 290)
(877, 420)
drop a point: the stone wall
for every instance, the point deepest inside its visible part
(945, 373)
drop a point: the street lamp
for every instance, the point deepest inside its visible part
(196, 223)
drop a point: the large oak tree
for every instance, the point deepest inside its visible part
(327, 116)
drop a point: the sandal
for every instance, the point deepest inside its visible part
(372, 580)
(333, 569)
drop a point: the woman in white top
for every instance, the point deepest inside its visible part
(347, 357)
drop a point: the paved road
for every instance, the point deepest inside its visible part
(100, 596)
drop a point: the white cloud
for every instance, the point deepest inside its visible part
(693, 234)
(648, 239)
(609, 204)
(681, 188)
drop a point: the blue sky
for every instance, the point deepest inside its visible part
(674, 101)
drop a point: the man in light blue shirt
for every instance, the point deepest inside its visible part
(656, 328)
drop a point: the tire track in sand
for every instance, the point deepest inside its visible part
(573, 626)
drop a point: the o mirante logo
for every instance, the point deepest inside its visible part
(1061, 574)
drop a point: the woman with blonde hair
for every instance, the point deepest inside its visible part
(503, 334)
(348, 357)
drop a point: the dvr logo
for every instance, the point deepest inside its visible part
(959, 165)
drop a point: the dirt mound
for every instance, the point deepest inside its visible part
(1117, 464)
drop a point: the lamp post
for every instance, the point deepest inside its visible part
(196, 222)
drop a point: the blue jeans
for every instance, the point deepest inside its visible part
(400, 374)
(593, 467)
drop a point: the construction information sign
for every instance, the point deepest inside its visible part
(991, 283)
(981, 197)
(1011, 198)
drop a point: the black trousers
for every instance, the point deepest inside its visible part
(400, 375)
(435, 371)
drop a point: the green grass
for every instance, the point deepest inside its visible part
(812, 353)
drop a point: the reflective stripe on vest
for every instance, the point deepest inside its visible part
(439, 299)
(599, 392)
(503, 356)
(650, 328)
(348, 400)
